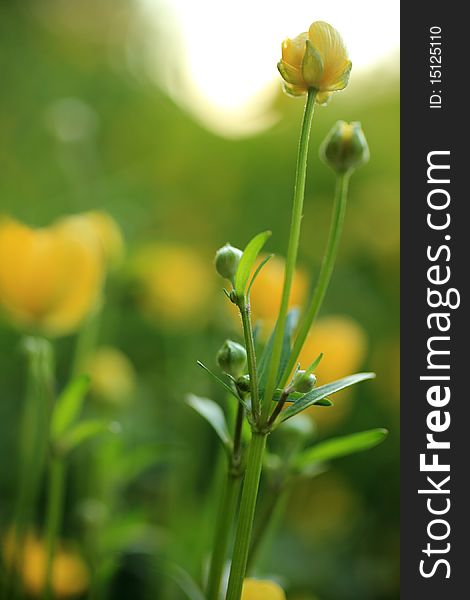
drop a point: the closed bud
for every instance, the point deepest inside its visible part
(231, 358)
(226, 261)
(243, 384)
(303, 383)
(345, 147)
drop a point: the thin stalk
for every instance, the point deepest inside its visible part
(226, 512)
(55, 505)
(336, 228)
(277, 496)
(224, 525)
(291, 259)
(244, 307)
(246, 515)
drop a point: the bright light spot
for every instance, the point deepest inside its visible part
(232, 48)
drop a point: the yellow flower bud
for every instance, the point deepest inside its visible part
(259, 589)
(345, 147)
(315, 60)
(50, 278)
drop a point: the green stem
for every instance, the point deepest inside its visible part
(336, 227)
(33, 445)
(244, 307)
(223, 528)
(246, 516)
(291, 259)
(55, 502)
(276, 499)
(226, 512)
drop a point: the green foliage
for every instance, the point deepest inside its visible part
(213, 414)
(320, 393)
(338, 447)
(247, 261)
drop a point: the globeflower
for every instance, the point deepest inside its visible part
(259, 589)
(315, 60)
(51, 277)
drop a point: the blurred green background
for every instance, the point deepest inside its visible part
(83, 128)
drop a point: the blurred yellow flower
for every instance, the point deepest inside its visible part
(316, 59)
(267, 291)
(70, 576)
(112, 375)
(104, 228)
(324, 507)
(50, 278)
(344, 345)
(262, 589)
(176, 284)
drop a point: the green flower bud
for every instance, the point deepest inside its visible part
(243, 384)
(226, 261)
(345, 147)
(302, 382)
(231, 358)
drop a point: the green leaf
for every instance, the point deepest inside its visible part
(247, 261)
(257, 272)
(69, 405)
(340, 446)
(184, 581)
(320, 393)
(84, 431)
(215, 378)
(291, 324)
(213, 414)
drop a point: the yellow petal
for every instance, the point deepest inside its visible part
(293, 50)
(329, 44)
(258, 589)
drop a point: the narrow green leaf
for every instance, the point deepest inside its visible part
(257, 272)
(291, 324)
(322, 392)
(247, 261)
(219, 381)
(84, 431)
(69, 405)
(184, 581)
(213, 414)
(340, 446)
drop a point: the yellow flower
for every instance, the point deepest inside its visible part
(104, 228)
(259, 589)
(176, 284)
(344, 344)
(112, 375)
(70, 576)
(315, 60)
(267, 291)
(50, 278)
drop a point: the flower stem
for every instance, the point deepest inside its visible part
(336, 227)
(275, 502)
(55, 504)
(244, 308)
(299, 192)
(246, 516)
(226, 512)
